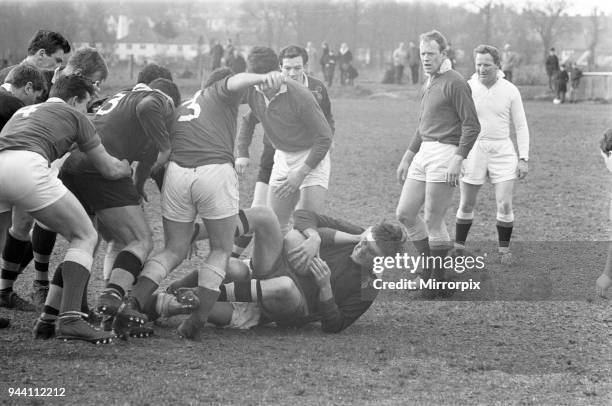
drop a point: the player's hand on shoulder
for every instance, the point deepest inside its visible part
(523, 169)
(242, 164)
(301, 256)
(320, 271)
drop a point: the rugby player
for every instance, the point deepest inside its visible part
(30, 141)
(498, 104)
(88, 63)
(46, 51)
(335, 287)
(133, 125)
(604, 281)
(201, 180)
(297, 129)
(430, 168)
(24, 86)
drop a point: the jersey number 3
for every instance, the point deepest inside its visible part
(191, 105)
(110, 104)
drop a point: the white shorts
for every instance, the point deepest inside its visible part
(495, 159)
(210, 191)
(245, 315)
(287, 161)
(431, 162)
(26, 181)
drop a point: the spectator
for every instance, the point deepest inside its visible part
(414, 61)
(450, 54)
(552, 69)
(400, 56)
(312, 56)
(216, 52)
(345, 57)
(239, 64)
(328, 63)
(575, 74)
(509, 60)
(562, 79)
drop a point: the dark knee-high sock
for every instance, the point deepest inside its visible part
(43, 242)
(75, 273)
(28, 254)
(126, 269)
(11, 257)
(438, 254)
(422, 247)
(54, 297)
(504, 233)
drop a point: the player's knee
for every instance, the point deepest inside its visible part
(504, 206)
(466, 207)
(284, 288)
(405, 217)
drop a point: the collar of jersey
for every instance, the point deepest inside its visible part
(55, 100)
(141, 87)
(283, 89)
(8, 87)
(500, 75)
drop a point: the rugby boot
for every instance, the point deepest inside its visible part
(190, 328)
(12, 300)
(129, 321)
(72, 326)
(109, 302)
(43, 329)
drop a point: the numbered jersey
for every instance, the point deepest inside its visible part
(49, 129)
(205, 130)
(133, 125)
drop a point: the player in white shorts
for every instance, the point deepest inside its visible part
(498, 104)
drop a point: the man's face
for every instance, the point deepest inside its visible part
(366, 249)
(431, 57)
(293, 68)
(486, 69)
(46, 61)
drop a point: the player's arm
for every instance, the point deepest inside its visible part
(141, 174)
(334, 317)
(108, 166)
(522, 133)
(242, 81)
(304, 219)
(152, 112)
(315, 121)
(243, 141)
(326, 108)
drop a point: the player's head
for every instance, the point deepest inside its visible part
(89, 63)
(216, 75)
(293, 60)
(383, 239)
(153, 71)
(75, 90)
(262, 60)
(432, 47)
(27, 82)
(169, 88)
(487, 63)
(46, 49)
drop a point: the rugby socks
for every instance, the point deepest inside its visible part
(242, 236)
(75, 273)
(422, 247)
(43, 242)
(243, 291)
(28, 255)
(504, 233)
(463, 223)
(143, 291)
(209, 280)
(113, 248)
(54, 297)
(126, 269)
(438, 254)
(12, 256)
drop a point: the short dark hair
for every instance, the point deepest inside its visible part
(70, 86)
(434, 35)
(216, 75)
(20, 75)
(89, 61)
(389, 237)
(153, 71)
(262, 60)
(488, 49)
(169, 88)
(292, 51)
(50, 41)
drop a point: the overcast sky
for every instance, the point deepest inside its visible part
(578, 7)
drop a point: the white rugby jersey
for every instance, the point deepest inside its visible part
(495, 107)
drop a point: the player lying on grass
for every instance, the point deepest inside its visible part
(33, 138)
(604, 281)
(321, 271)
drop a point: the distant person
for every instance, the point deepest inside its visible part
(414, 61)
(312, 56)
(604, 281)
(238, 63)
(552, 69)
(328, 62)
(562, 80)
(400, 57)
(345, 57)
(451, 55)
(216, 52)
(509, 61)
(46, 51)
(575, 74)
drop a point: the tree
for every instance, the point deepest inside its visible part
(548, 21)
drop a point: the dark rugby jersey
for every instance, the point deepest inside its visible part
(9, 104)
(49, 129)
(249, 121)
(353, 291)
(133, 125)
(204, 131)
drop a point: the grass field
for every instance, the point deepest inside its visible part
(548, 342)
